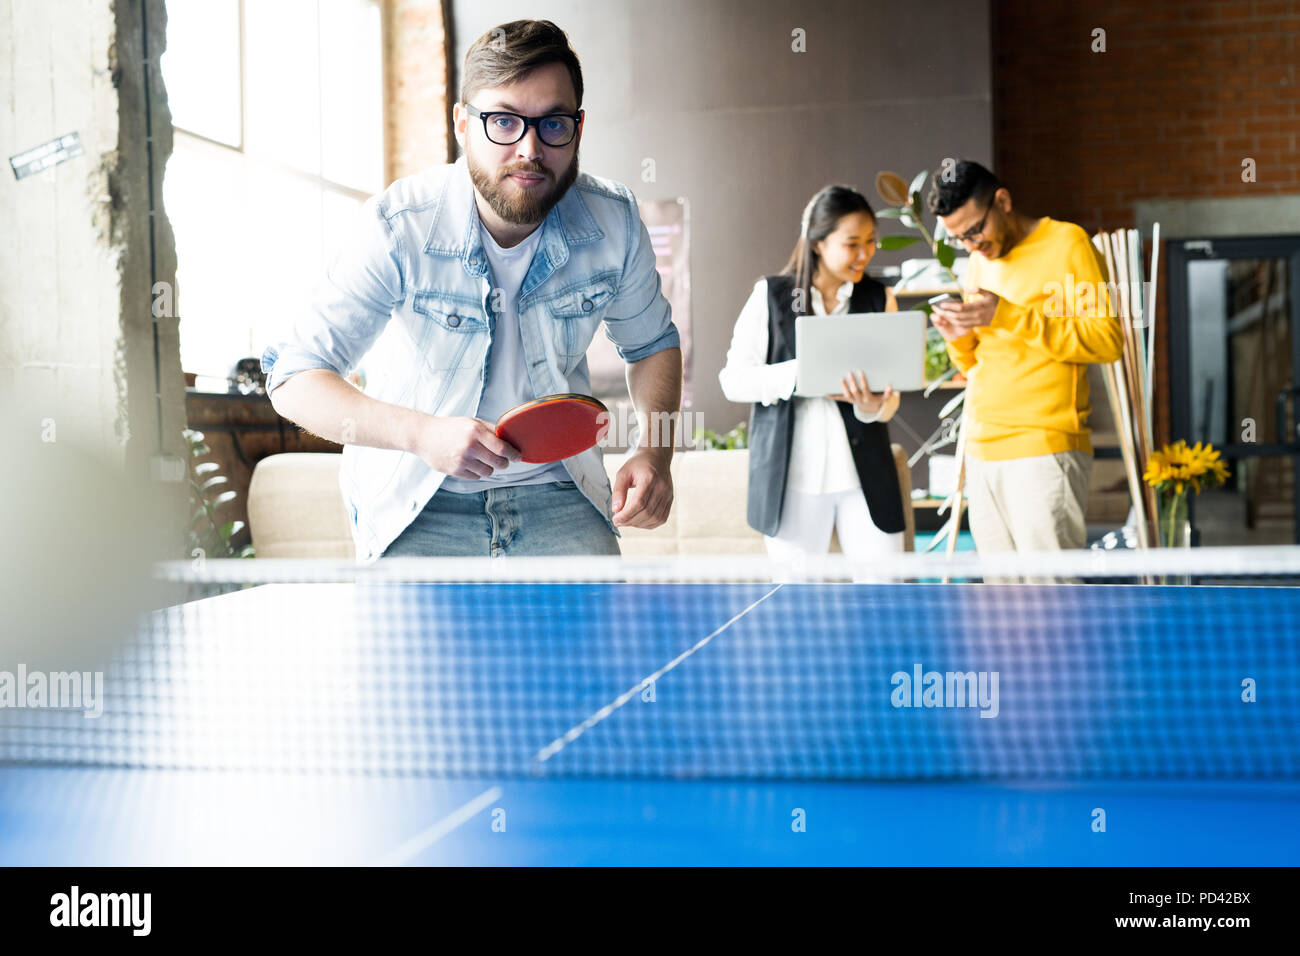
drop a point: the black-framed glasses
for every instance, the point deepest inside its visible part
(971, 234)
(506, 129)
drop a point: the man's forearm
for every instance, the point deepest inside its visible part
(1078, 338)
(324, 404)
(655, 384)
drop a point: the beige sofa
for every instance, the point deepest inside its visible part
(295, 509)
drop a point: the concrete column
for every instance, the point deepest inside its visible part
(84, 358)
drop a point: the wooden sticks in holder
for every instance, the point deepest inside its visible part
(1128, 381)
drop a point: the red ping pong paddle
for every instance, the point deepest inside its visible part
(554, 427)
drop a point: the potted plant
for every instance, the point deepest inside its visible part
(904, 204)
(209, 537)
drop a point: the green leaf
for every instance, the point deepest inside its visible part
(229, 529)
(898, 242)
(214, 481)
(945, 253)
(203, 467)
(925, 307)
(222, 498)
(200, 450)
(918, 183)
(246, 552)
(888, 213)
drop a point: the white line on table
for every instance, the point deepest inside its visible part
(573, 733)
(427, 838)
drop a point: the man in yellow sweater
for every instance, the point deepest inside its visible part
(1035, 316)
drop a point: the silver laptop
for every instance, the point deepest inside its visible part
(888, 346)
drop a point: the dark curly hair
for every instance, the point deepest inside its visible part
(967, 180)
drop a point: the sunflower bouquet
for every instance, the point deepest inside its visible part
(1175, 468)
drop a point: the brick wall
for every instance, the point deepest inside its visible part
(1183, 93)
(416, 80)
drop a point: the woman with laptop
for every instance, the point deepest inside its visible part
(817, 463)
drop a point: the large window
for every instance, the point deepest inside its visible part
(278, 113)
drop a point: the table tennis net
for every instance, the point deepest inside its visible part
(694, 668)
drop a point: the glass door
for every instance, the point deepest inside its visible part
(1235, 351)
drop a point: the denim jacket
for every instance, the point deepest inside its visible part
(411, 295)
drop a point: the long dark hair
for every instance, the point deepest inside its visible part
(820, 217)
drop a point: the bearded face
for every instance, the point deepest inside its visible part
(521, 181)
(523, 191)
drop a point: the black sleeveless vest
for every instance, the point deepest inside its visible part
(771, 427)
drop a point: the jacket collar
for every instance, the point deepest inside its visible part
(455, 229)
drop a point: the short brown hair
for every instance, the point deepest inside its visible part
(504, 54)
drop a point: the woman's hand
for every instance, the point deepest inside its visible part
(860, 394)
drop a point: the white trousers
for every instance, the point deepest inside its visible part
(806, 525)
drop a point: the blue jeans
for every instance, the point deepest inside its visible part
(547, 519)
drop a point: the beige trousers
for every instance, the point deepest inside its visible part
(1028, 504)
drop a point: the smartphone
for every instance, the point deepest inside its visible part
(945, 297)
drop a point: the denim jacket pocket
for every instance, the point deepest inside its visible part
(579, 309)
(450, 331)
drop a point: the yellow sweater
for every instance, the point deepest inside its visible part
(1028, 391)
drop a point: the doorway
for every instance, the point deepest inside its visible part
(1234, 307)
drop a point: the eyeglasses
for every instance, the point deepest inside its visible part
(971, 234)
(506, 129)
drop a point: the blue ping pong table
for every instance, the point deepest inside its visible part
(675, 724)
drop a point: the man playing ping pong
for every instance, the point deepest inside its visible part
(473, 289)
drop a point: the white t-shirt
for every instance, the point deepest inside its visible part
(507, 374)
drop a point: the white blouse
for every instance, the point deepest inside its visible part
(820, 459)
